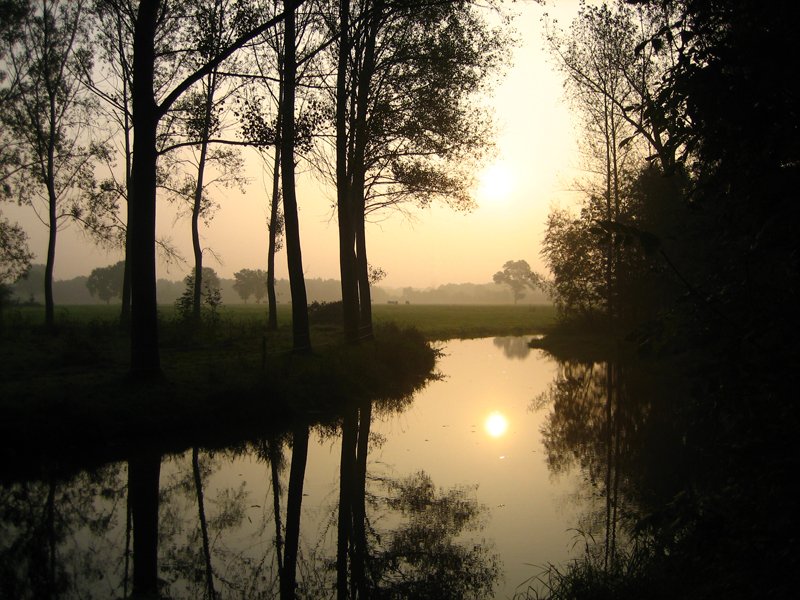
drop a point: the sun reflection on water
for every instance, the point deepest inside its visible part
(496, 424)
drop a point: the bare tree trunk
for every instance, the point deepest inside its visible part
(49, 304)
(609, 213)
(50, 173)
(197, 250)
(301, 337)
(125, 311)
(197, 205)
(347, 258)
(365, 295)
(145, 359)
(358, 169)
(272, 301)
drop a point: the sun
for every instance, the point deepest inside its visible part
(496, 424)
(496, 182)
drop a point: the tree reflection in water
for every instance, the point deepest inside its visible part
(613, 421)
(181, 527)
(45, 527)
(514, 347)
(425, 552)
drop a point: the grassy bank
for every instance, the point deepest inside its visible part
(70, 391)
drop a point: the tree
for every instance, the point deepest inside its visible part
(263, 124)
(209, 31)
(47, 113)
(611, 79)
(406, 120)
(147, 113)
(15, 258)
(250, 282)
(301, 337)
(612, 75)
(107, 282)
(12, 16)
(211, 295)
(517, 275)
(111, 81)
(263, 128)
(591, 58)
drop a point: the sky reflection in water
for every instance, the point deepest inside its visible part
(470, 438)
(531, 515)
(446, 432)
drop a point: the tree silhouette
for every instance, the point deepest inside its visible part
(250, 282)
(406, 122)
(147, 113)
(517, 275)
(47, 113)
(210, 30)
(107, 282)
(301, 336)
(210, 295)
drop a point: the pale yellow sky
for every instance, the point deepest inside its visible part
(536, 149)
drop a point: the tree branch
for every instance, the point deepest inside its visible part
(216, 61)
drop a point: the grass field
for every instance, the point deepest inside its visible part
(439, 322)
(434, 321)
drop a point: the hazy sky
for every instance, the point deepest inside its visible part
(536, 164)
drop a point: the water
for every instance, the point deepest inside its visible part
(458, 494)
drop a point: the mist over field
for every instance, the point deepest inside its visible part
(74, 291)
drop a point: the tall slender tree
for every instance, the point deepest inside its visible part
(147, 112)
(301, 337)
(210, 30)
(408, 123)
(597, 58)
(47, 112)
(111, 80)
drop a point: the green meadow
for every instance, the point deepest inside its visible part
(434, 321)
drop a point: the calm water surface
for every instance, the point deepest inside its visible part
(457, 483)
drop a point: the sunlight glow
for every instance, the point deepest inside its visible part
(496, 183)
(496, 424)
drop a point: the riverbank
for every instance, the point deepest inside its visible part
(70, 393)
(690, 445)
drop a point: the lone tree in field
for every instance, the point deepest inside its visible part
(517, 275)
(107, 282)
(250, 282)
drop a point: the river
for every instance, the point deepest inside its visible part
(461, 495)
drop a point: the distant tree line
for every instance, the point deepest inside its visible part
(107, 283)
